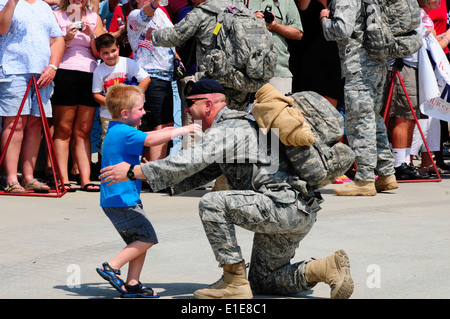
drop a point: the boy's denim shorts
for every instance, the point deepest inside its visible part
(132, 223)
(12, 91)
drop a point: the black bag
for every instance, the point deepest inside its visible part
(179, 71)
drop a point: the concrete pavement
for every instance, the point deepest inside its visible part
(398, 243)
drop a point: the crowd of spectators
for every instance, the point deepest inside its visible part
(46, 40)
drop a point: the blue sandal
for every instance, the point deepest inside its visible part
(138, 291)
(110, 274)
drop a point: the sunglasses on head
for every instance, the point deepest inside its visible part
(190, 102)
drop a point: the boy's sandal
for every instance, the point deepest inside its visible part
(15, 187)
(138, 291)
(110, 274)
(36, 186)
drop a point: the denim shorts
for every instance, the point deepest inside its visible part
(12, 91)
(132, 223)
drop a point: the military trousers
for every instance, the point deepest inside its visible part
(365, 127)
(278, 229)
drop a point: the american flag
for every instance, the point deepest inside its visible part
(146, 44)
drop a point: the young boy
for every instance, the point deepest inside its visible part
(114, 70)
(121, 202)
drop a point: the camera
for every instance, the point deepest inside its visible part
(79, 25)
(268, 16)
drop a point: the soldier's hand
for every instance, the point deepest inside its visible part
(114, 174)
(148, 34)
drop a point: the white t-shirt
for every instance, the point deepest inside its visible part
(106, 76)
(157, 61)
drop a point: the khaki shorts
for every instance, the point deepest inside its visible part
(399, 105)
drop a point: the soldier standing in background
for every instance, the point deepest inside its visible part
(200, 23)
(364, 85)
(262, 199)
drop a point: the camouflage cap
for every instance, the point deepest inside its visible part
(204, 86)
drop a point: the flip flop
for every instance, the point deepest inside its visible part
(86, 188)
(69, 188)
(110, 274)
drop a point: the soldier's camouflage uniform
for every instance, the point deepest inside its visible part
(261, 200)
(364, 85)
(200, 24)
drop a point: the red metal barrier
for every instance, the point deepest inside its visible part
(392, 75)
(59, 191)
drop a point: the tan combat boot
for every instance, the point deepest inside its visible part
(357, 188)
(232, 285)
(386, 183)
(334, 270)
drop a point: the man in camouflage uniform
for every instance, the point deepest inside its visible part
(199, 23)
(364, 86)
(262, 199)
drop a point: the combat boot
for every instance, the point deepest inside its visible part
(357, 188)
(386, 183)
(334, 270)
(232, 285)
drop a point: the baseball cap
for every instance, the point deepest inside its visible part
(204, 86)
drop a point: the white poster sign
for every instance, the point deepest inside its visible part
(434, 80)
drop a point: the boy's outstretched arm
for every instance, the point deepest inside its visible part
(165, 135)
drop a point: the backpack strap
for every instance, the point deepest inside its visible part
(233, 115)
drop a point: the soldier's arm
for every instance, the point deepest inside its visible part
(199, 179)
(341, 24)
(179, 34)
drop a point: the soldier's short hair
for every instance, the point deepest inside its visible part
(122, 97)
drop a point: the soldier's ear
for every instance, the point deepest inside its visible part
(209, 104)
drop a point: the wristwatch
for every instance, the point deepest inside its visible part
(130, 173)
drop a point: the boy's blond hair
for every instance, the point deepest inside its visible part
(122, 97)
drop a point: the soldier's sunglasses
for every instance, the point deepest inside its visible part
(190, 102)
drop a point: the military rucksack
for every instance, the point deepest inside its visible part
(242, 58)
(390, 28)
(327, 158)
(317, 163)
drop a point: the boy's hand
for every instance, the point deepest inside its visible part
(194, 128)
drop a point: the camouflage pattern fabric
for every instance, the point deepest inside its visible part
(243, 57)
(390, 28)
(278, 228)
(364, 82)
(200, 23)
(261, 198)
(321, 163)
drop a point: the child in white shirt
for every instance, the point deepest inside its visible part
(114, 70)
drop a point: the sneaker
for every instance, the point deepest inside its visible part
(406, 172)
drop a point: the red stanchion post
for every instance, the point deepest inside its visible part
(392, 75)
(48, 140)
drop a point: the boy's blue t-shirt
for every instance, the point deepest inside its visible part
(122, 143)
